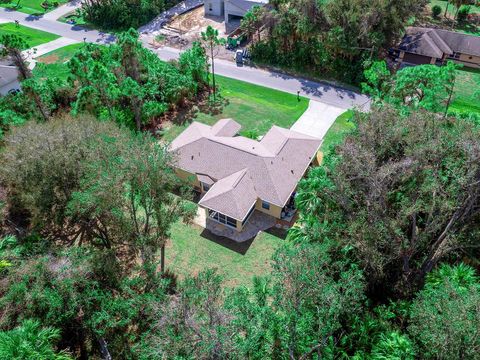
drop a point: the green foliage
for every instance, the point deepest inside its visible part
(131, 85)
(379, 192)
(463, 13)
(393, 346)
(445, 315)
(436, 11)
(425, 86)
(331, 38)
(122, 14)
(30, 341)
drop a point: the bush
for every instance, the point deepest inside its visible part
(463, 13)
(123, 14)
(436, 11)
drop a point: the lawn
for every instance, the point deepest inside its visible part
(254, 107)
(32, 37)
(32, 7)
(342, 125)
(467, 83)
(188, 253)
(467, 28)
(60, 55)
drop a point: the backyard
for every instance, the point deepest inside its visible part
(32, 37)
(32, 7)
(191, 250)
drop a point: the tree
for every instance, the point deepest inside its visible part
(12, 48)
(211, 40)
(397, 192)
(253, 21)
(30, 342)
(192, 323)
(429, 87)
(445, 316)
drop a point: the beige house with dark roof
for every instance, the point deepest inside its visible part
(237, 175)
(435, 46)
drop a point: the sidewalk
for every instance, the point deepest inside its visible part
(62, 10)
(43, 49)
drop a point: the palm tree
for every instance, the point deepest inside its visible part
(211, 40)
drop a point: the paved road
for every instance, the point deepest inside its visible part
(318, 91)
(69, 31)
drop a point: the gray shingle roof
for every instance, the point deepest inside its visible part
(436, 42)
(269, 169)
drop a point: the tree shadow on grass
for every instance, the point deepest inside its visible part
(239, 247)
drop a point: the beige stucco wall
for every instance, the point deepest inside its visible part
(274, 211)
(473, 62)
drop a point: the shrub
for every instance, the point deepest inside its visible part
(463, 13)
(436, 11)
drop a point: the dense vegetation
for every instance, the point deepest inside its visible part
(382, 264)
(123, 82)
(334, 38)
(123, 14)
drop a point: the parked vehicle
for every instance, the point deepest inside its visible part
(239, 57)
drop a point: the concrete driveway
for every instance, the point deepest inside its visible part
(317, 119)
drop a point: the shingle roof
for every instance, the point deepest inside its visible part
(269, 169)
(436, 42)
(226, 127)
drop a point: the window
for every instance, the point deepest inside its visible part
(265, 205)
(205, 187)
(210, 7)
(221, 218)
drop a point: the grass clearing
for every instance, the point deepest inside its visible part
(32, 7)
(467, 83)
(32, 37)
(188, 253)
(254, 107)
(342, 125)
(60, 55)
(468, 27)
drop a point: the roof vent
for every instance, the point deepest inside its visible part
(192, 157)
(291, 171)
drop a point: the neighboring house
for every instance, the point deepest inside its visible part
(237, 175)
(231, 9)
(436, 46)
(8, 77)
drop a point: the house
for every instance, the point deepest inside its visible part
(231, 9)
(236, 175)
(436, 46)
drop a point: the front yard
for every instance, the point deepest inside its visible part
(32, 37)
(32, 7)
(255, 107)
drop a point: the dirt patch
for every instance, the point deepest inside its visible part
(50, 59)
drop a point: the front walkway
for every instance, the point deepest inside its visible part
(317, 119)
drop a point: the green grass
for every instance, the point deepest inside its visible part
(32, 37)
(467, 83)
(338, 130)
(254, 107)
(188, 253)
(466, 28)
(60, 55)
(32, 7)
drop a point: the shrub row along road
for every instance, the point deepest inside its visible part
(320, 91)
